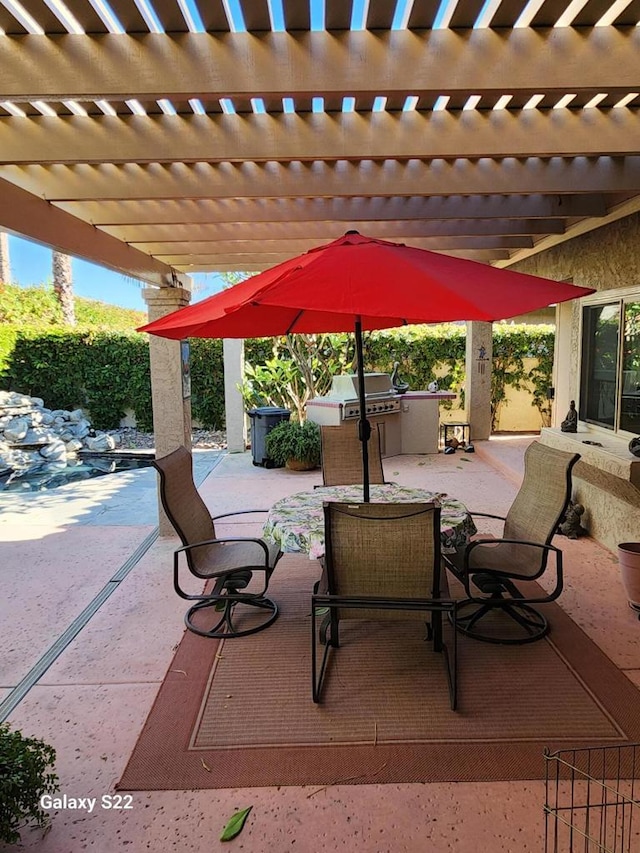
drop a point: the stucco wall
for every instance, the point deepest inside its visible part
(606, 258)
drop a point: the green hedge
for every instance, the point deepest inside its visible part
(104, 372)
(108, 372)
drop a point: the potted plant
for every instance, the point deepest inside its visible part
(294, 444)
(629, 561)
(24, 777)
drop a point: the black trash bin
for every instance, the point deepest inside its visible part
(263, 420)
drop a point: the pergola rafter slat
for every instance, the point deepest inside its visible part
(470, 131)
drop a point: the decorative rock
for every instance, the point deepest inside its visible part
(54, 466)
(12, 398)
(21, 461)
(55, 451)
(36, 435)
(16, 430)
(80, 429)
(100, 443)
(37, 442)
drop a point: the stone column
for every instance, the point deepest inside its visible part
(171, 409)
(5, 267)
(477, 399)
(233, 354)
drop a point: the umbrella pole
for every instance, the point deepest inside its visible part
(364, 427)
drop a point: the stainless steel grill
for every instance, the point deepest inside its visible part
(341, 403)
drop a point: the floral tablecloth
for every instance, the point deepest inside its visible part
(296, 523)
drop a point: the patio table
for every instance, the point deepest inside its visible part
(296, 522)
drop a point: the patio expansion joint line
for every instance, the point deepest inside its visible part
(54, 651)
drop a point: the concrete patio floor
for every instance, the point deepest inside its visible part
(90, 623)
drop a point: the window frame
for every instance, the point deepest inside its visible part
(621, 296)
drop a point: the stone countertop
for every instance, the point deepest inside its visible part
(427, 395)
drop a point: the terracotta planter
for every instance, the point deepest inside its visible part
(629, 559)
(300, 465)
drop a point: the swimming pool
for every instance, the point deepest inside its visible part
(51, 475)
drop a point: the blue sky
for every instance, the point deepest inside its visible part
(31, 265)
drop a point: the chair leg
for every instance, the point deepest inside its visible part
(225, 628)
(330, 622)
(434, 631)
(450, 658)
(529, 623)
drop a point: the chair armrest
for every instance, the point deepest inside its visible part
(468, 573)
(492, 541)
(219, 541)
(216, 575)
(486, 515)
(237, 512)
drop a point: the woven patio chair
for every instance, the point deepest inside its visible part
(342, 456)
(497, 610)
(226, 564)
(382, 562)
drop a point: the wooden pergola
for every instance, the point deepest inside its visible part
(176, 136)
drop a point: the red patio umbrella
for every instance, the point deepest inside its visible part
(362, 283)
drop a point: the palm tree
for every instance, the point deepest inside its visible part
(63, 286)
(5, 266)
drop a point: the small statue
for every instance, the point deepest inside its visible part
(570, 423)
(399, 386)
(432, 387)
(571, 527)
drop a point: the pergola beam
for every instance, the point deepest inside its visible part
(26, 215)
(215, 233)
(350, 136)
(253, 260)
(292, 247)
(108, 214)
(190, 65)
(106, 181)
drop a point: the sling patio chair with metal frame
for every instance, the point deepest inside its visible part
(226, 563)
(496, 610)
(382, 562)
(342, 456)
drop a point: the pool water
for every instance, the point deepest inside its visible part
(50, 477)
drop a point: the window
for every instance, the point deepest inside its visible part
(610, 380)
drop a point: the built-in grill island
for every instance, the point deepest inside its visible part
(408, 422)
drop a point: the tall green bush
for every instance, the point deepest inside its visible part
(102, 371)
(108, 372)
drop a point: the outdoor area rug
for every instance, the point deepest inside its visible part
(240, 714)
